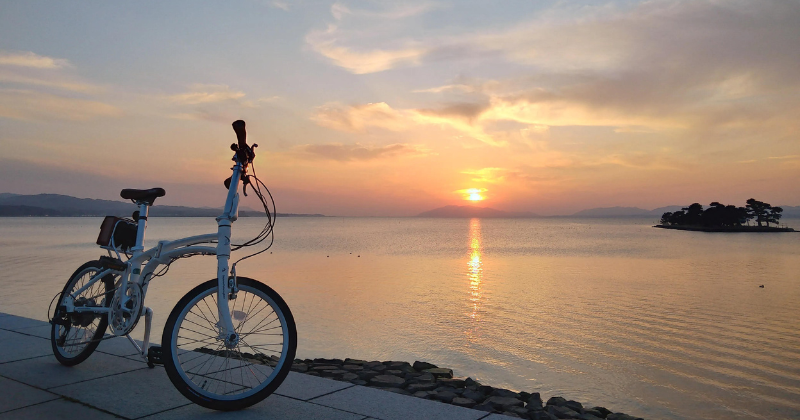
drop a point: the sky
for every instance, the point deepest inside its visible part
(373, 108)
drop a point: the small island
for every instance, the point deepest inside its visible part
(725, 218)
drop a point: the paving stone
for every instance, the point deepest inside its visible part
(40, 331)
(46, 372)
(119, 346)
(15, 346)
(275, 407)
(13, 322)
(16, 395)
(57, 410)
(391, 406)
(132, 395)
(305, 387)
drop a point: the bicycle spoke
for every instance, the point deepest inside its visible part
(204, 316)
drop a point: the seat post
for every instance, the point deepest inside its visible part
(142, 225)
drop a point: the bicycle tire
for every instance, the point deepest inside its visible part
(77, 322)
(227, 362)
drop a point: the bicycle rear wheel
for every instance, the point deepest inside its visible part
(221, 377)
(74, 336)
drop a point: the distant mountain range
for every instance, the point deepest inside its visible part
(599, 212)
(624, 211)
(57, 205)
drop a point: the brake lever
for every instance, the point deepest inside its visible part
(245, 181)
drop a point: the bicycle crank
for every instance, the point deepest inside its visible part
(123, 318)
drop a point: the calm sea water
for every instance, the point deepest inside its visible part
(660, 324)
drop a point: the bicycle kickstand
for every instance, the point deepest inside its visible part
(150, 354)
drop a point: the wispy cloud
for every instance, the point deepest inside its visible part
(204, 94)
(32, 60)
(49, 82)
(34, 87)
(447, 88)
(338, 11)
(280, 5)
(328, 44)
(37, 71)
(491, 175)
(520, 176)
(37, 106)
(357, 152)
(381, 11)
(355, 118)
(468, 111)
(335, 41)
(359, 118)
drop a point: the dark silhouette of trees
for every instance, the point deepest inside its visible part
(763, 212)
(694, 214)
(757, 210)
(722, 215)
(774, 215)
(718, 214)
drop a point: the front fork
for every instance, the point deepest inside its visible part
(225, 286)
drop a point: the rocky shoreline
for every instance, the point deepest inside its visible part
(425, 380)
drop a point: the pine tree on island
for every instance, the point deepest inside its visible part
(718, 215)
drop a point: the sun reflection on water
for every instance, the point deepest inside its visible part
(475, 275)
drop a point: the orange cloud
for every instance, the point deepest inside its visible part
(357, 118)
(204, 94)
(357, 152)
(32, 60)
(32, 105)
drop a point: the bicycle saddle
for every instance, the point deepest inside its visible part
(148, 196)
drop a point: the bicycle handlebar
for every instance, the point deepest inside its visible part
(244, 153)
(241, 134)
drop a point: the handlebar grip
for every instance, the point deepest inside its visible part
(241, 134)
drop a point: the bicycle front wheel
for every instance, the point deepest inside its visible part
(210, 373)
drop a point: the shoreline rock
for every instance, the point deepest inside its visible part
(428, 381)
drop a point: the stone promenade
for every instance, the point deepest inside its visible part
(115, 383)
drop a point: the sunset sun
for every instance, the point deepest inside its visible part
(473, 194)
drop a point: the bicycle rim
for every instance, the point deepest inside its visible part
(83, 329)
(212, 370)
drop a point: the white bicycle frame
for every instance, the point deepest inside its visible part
(165, 252)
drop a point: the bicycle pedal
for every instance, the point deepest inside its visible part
(154, 356)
